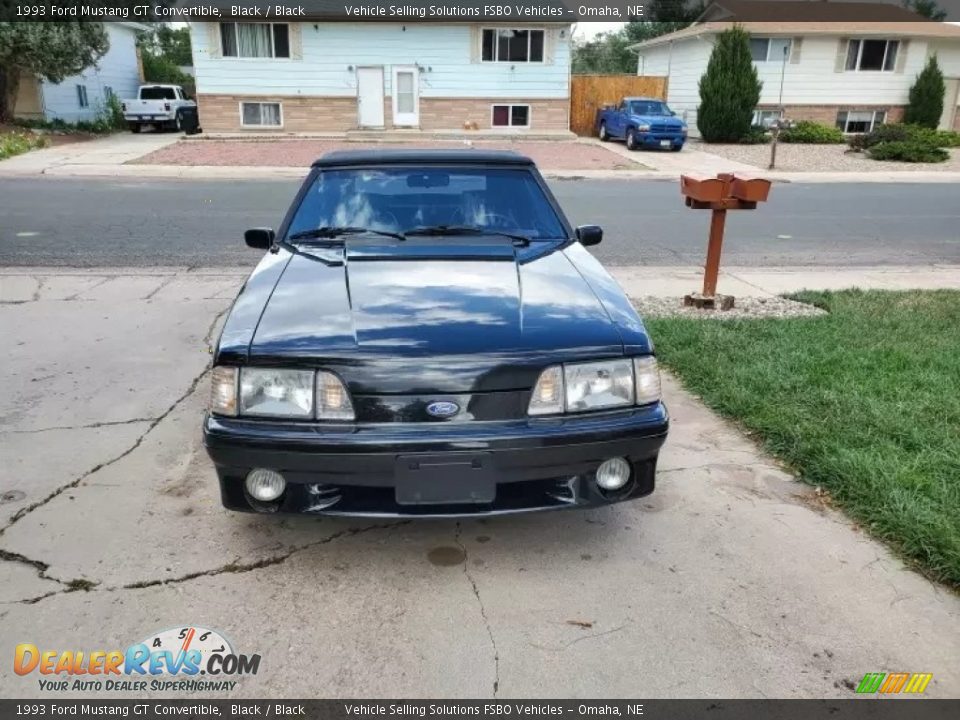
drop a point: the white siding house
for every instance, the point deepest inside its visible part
(853, 75)
(339, 76)
(84, 97)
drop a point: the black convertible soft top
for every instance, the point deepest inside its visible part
(342, 158)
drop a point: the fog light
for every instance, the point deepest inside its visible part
(265, 485)
(613, 474)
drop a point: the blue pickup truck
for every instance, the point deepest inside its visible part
(642, 122)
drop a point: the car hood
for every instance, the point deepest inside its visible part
(395, 318)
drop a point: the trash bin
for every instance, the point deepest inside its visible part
(190, 120)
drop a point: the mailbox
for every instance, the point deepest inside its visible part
(752, 190)
(702, 189)
(719, 194)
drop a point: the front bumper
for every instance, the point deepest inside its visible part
(657, 140)
(536, 464)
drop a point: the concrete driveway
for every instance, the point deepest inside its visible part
(731, 580)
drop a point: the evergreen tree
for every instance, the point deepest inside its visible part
(926, 96)
(729, 89)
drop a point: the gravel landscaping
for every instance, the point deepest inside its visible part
(745, 308)
(821, 158)
(301, 152)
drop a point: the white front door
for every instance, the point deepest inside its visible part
(370, 97)
(406, 96)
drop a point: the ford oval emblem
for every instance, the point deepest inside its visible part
(442, 409)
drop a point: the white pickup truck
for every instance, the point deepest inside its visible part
(162, 106)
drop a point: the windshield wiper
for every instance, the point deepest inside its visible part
(331, 233)
(438, 230)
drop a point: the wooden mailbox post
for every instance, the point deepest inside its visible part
(719, 194)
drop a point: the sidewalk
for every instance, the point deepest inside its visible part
(25, 284)
(117, 156)
(96, 157)
(641, 281)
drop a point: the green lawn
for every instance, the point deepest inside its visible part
(864, 402)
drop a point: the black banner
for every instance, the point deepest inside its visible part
(522, 11)
(866, 709)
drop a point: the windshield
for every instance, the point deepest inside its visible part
(649, 107)
(403, 199)
(157, 93)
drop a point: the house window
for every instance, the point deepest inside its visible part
(261, 114)
(255, 40)
(860, 121)
(765, 118)
(108, 93)
(510, 116)
(82, 96)
(872, 55)
(769, 49)
(512, 45)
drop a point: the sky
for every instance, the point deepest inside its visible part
(587, 30)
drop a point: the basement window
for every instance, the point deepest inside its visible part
(510, 116)
(261, 114)
(860, 121)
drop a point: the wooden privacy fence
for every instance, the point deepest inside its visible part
(588, 93)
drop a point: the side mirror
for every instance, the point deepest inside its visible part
(589, 235)
(259, 238)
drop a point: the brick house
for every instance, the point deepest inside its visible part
(303, 77)
(838, 69)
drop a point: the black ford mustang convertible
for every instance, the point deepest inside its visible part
(427, 335)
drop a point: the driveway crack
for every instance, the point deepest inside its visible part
(23, 512)
(232, 567)
(483, 612)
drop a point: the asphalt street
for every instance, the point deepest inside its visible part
(162, 223)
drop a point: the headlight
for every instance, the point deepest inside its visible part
(643, 128)
(223, 391)
(647, 376)
(333, 400)
(276, 393)
(591, 386)
(547, 398)
(581, 387)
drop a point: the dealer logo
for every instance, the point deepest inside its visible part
(172, 659)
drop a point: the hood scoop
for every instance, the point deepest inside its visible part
(424, 249)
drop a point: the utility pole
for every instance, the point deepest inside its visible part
(779, 122)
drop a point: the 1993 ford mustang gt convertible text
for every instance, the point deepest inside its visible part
(427, 335)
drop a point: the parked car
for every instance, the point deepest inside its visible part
(427, 335)
(163, 106)
(642, 123)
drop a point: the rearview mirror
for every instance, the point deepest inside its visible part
(259, 238)
(589, 235)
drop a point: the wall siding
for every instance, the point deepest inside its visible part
(812, 89)
(117, 69)
(328, 49)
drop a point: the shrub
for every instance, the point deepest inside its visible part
(729, 89)
(908, 151)
(16, 143)
(756, 136)
(926, 97)
(810, 132)
(905, 133)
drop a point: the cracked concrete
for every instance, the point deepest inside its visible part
(732, 579)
